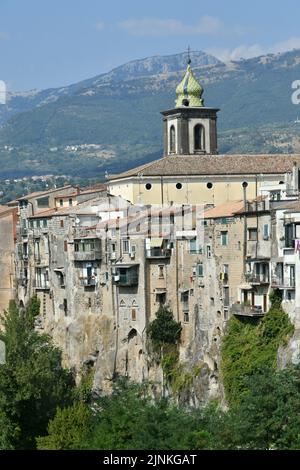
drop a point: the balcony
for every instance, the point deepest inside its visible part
(41, 285)
(22, 231)
(257, 279)
(127, 276)
(91, 255)
(281, 283)
(88, 281)
(157, 252)
(247, 310)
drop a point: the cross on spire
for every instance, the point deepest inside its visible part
(189, 55)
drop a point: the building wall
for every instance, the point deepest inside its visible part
(194, 189)
(7, 268)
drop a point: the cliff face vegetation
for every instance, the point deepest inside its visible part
(251, 345)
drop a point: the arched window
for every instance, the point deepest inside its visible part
(172, 139)
(199, 144)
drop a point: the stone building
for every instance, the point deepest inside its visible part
(8, 222)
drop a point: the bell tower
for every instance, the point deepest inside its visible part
(190, 128)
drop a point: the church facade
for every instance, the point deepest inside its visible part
(191, 171)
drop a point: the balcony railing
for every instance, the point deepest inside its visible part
(92, 255)
(247, 310)
(128, 278)
(88, 281)
(257, 278)
(158, 253)
(42, 285)
(281, 283)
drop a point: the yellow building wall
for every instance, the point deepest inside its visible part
(194, 190)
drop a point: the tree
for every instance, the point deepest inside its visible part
(33, 382)
(67, 430)
(164, 329)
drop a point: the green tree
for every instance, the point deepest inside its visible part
(67, 430)
(164, 329)
(33, 382)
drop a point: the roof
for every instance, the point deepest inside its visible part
(228, 209)
(82, 192)
(290, 207)
(193, 165)
(43, 193)
(6, 210)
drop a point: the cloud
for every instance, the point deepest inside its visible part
(100, 25)
(247, 52)
(207, 25)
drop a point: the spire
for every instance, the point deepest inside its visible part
(189, 91)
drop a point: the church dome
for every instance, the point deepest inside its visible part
(189, 91)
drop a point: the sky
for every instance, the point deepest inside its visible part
(52, 43)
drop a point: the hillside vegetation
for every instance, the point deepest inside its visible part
(95, 125)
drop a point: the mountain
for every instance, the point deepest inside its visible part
(112, 121)
(24, 101)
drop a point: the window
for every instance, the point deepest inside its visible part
(208, 251)
(70, 202)
(65, 307)
(194, 246)
(148, 186)
(266, 232)
(225, 314)
(289, 236)
(161, 298)
(224, 238)
(200, 270)
(226, 296)
(133, 314)
(252, 234)
(125, 246)
(61, 224)
(38, 223)
(186, 317)
(45, 223)
(43, 202)
(172, 139)
(61, 202)
(161, 272)
(66, 245)
(199, 138)
(178, 186)
(239, 246)
(209, 185)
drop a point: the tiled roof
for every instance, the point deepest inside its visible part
(43, 193)
(4, 210)
(228, 209)
(192, 165)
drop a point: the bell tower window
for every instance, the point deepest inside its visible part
(172, 139)
(199, 138)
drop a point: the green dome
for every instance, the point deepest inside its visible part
(189, 92)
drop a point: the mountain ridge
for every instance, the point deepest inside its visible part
(114, 119)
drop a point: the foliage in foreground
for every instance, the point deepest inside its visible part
(32, 381)
(267, 418)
